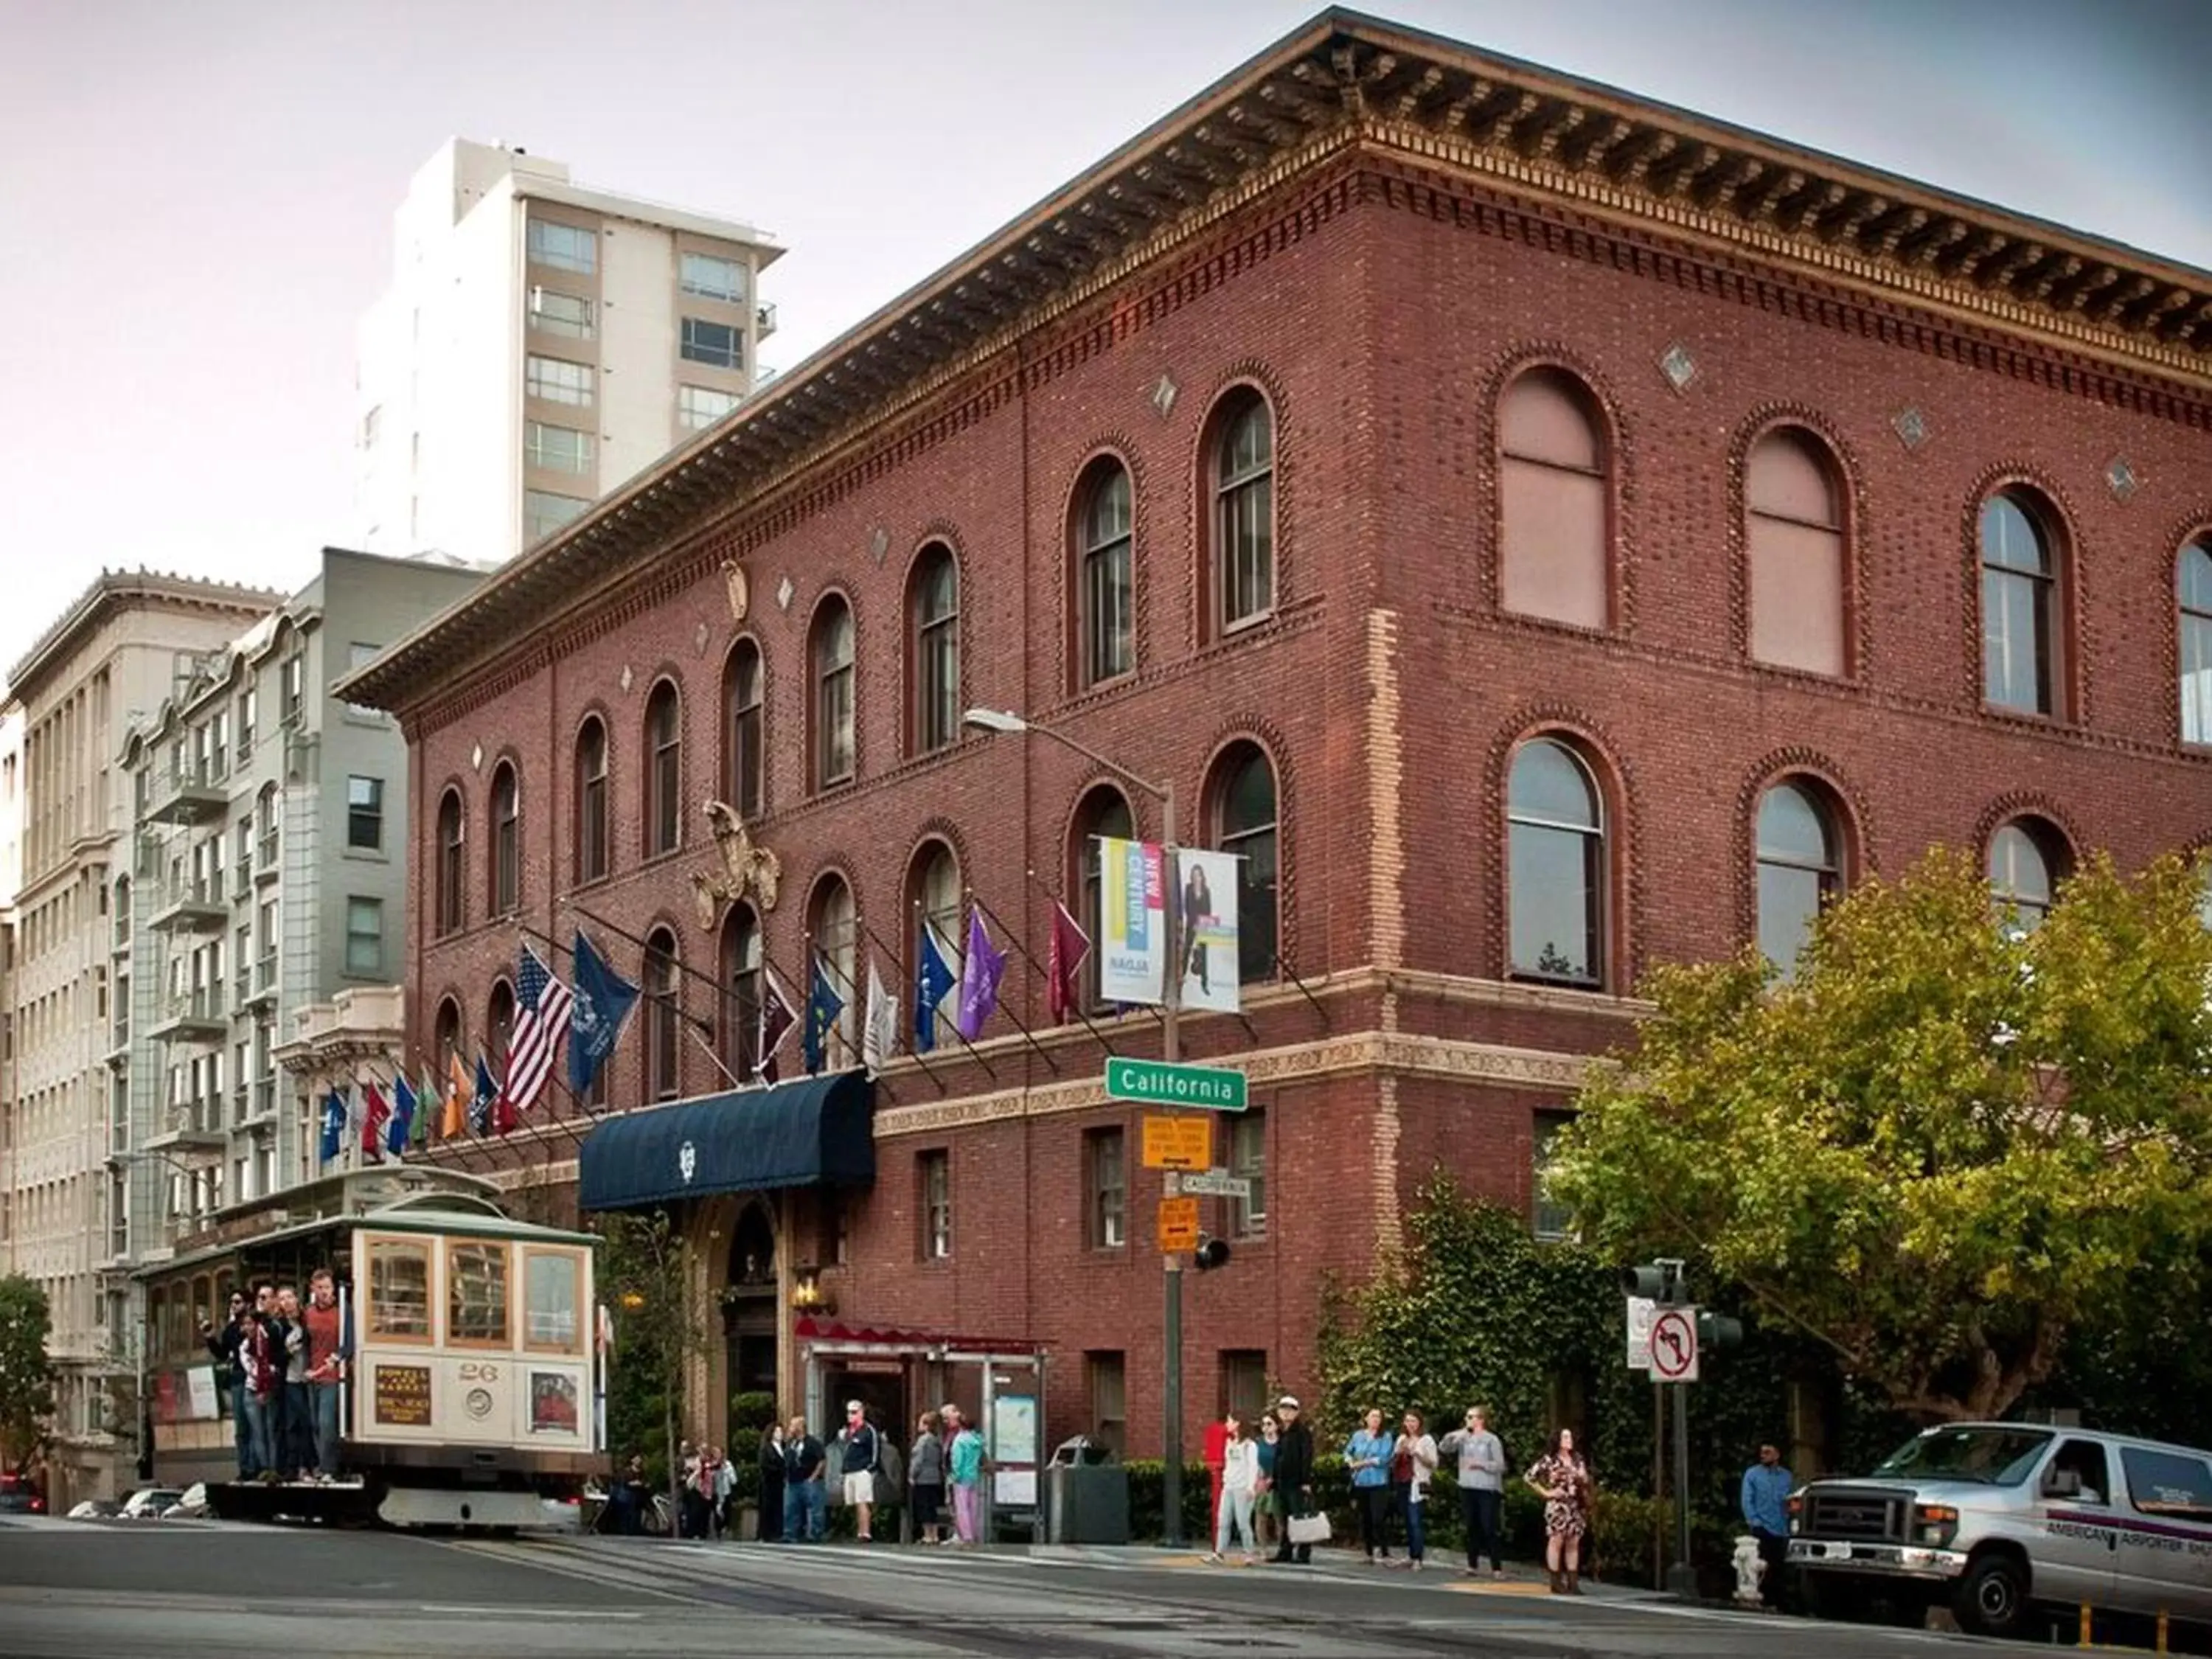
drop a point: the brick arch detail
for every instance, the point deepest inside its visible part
(1257, 375)
(2028, 804)
(1860, 638)
(1855, 830)
(1617, 782)
(2194, 526)
(1256, 732)
(1093, 781)
(2077, 640)
(835, 584)
(1121, 447)
(1619, 435)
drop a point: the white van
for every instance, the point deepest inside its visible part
(1997, 1519)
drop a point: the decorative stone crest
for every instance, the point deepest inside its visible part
(1678, 366)
(745, 868)
(739, 588)
(2121, 478)
(784, 592)
(628, 677)
(1911, 427)
(1164, 395)
(476, 757)
(699, 638)
(879, 544)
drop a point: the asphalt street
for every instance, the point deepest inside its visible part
(187, 1589)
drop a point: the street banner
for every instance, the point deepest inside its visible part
(1132, 921)
(1206, 933)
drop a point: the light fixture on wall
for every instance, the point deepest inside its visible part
(807, 1295)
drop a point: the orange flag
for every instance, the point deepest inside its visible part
(458, 1088)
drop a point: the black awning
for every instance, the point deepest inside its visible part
(813, 1133)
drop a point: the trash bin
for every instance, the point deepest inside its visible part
(1087, 1495)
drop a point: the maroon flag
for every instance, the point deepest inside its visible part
(1063, 961)
(376, 1113)
(776, 1020)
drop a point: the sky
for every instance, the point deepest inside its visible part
(244, 161)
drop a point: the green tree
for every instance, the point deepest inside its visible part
(1942, 1143)
(26, 1375)
(658, 1333)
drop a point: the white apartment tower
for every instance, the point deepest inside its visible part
(539, 343)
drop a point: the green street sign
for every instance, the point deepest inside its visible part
(1156, 1083)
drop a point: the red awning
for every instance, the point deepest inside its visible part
(808, 1329)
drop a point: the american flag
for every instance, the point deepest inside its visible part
(541, 1019)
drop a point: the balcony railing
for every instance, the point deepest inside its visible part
(264, 1097)
(264, 857)
(196, 1014)
(184, 796)
(193, 906)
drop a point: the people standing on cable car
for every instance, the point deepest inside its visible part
(223, 1345)
(295, 1434)
(330, 1347)
(260, 1364)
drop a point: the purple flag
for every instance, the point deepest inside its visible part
(979, 979)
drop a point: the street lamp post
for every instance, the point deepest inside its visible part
(1005, 719)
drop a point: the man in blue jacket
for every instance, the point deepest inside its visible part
(1765, 1503)
(863, 1457)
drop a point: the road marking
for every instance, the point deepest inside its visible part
(562, 1613)
(572, 1567)
(1509, 1588)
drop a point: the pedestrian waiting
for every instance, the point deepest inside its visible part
(1367, 1458)
(1479, 1458)
(1240, 1480)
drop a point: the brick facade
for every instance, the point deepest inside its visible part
(1380, 303)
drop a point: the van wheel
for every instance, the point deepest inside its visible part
(1992, 1598)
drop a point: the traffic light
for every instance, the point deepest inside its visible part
(1718, 1331)
(1661, 1282)
(1210, 1252)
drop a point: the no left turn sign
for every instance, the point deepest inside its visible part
(1675, 1346)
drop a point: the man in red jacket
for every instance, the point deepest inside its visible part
(329, 1345)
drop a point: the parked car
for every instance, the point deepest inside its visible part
(191, 1506)
(93, 1509)
(19, 1496)
(149, 1503)
(2002, 1519)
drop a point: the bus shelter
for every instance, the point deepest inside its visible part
(898, 1374)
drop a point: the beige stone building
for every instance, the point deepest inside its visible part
(125, 647)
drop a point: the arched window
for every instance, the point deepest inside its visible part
(664, 776)
(506, 840)
(592, 837)
(1243, 529)
(1552, 512)
(933, 902)
(741, 992)
(2027, 860)
(2020, 605)
(1800, 868)
(499, 1026)
(451, 862)
(1105, 584)
(663, 1009)
(449, 1041)
(1794, 541)
(1556, 837)
(1104, 814)
(2193, 585)
(836, 936)
(745, 780)
(1243, 798)
(831, 652)
(932, 609)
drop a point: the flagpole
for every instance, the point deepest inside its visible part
(1284, 967)
(707, 980)
(1076, 1006)
(1158, 1018)
(1052, 1063)
(928, 1070)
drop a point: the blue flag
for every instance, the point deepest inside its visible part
(403, 1115)
(604, 1000)
(931, 986)
(822, 1007)
(480, 1106)
(335, 1113)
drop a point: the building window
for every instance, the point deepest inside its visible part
(741, 992)
(1799, 868)
(933, 895)
(2020, 584)
(745, 778)
(2193, 583)
(933, 1178)
(1247, 1161)
(506, 840)
(1106, 1379)
(1105, 619)
(567, 314)
(557, 380)
(1244, 816)
(364, 947)
(451, 850)
(1106, 1185)
(1555, 839)
(2027, 860)
(663, 777)
(448, 1031)
(1551, 1220)
(499, 1025)
(933, 619)
(544, 513)
(719, 345)
(832, 655)
(1244, 525)
(1244, 1387)
(592, 800)
(563, 247)
(1552, 501)
(557, 448)
(359, 654)
(364, 815)
(835, 931)
(1104, 815)
(663, 1010)
(1793, 540)
(698, 406)
(713, 278)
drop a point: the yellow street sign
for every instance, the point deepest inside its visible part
(1178, 1224)
(1178, 1143)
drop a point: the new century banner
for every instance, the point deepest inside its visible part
(1133, 921)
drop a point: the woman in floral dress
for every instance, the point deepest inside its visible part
(1562, 1480)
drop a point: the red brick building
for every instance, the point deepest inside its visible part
(1548, 533)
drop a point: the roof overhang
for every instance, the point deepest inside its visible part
(1343, 80)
